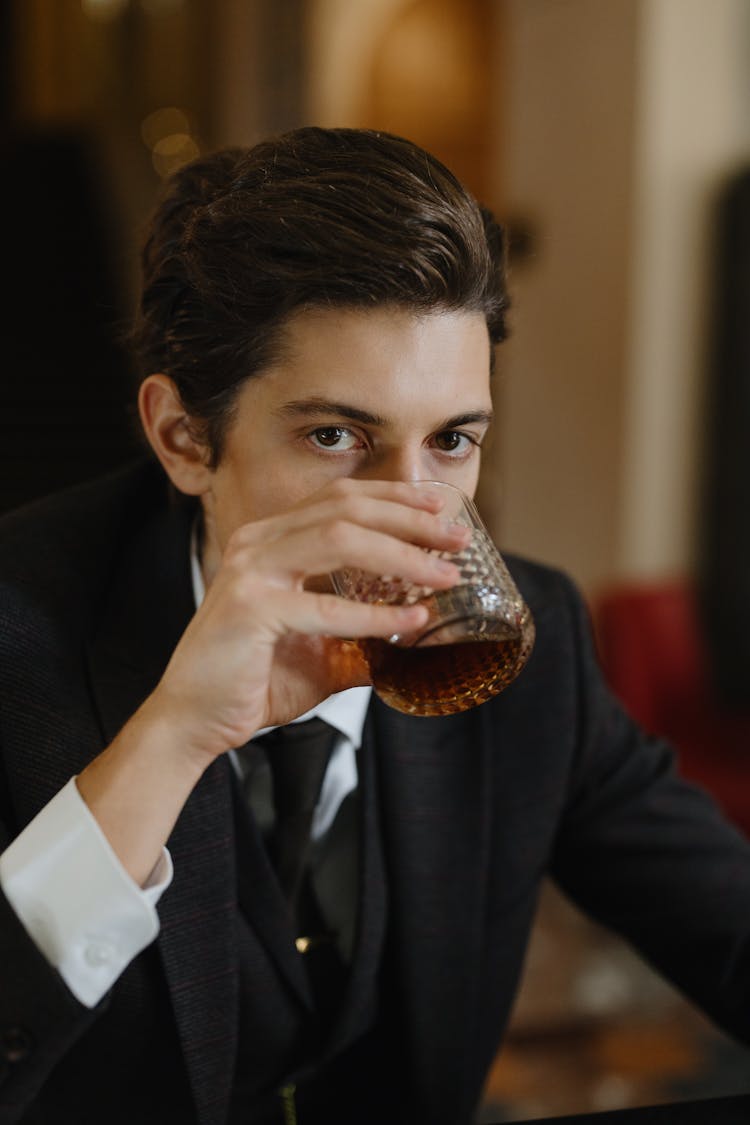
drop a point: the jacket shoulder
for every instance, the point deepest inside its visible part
(56, 549)
(53, 513)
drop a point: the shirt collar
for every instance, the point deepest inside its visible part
(346, 710)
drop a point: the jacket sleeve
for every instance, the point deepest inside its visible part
(40, 1019)
(650, 855)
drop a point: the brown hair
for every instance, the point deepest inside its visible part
(315, 217)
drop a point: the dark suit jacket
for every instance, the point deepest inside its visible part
(549, 777)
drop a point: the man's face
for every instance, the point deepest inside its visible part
(382, 394)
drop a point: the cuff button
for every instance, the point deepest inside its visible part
(99, 954)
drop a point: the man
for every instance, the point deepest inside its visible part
(316, 332)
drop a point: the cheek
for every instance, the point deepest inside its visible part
(231, 505)
(267, 491)
(247, 504)
(466, 476)
(469, 486)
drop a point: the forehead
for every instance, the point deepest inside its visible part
(386, 361)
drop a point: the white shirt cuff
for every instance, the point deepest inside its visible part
(76, 900)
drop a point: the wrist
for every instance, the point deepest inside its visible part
(177, 738)
(137, 787)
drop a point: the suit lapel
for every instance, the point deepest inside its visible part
(150, 605)
(198, 941)
(435, 802)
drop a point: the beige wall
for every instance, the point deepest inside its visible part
(552, 489)
(693, 127)
(340, 34)
(622, 117)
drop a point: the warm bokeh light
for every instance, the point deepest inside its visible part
(171, 152)
(168, 133)
(163, 123)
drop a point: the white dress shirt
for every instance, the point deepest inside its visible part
(74, 897)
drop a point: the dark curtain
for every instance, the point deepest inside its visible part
(66, 388)
(724, 579)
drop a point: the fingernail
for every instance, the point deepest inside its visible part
(413, 612)
(459, 530)
(444, 567)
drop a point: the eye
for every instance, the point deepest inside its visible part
(452, 441)
(333, 437)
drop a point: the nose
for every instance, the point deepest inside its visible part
(397, 463)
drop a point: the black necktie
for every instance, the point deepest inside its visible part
(297, 755)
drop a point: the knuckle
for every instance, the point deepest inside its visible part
(249, 534)
(329, 610)
(338, 533)
(235, 543)
(342, 486)
(241, 594)
(349, 507)
(424, 522)
(235, 561)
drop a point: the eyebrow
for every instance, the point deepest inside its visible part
(312, 407)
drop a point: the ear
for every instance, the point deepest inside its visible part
(167, 427)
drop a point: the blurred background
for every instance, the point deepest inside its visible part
(612, 137)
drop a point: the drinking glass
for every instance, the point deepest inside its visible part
(477, 638)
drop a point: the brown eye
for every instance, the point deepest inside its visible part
(330, 436)
(333, 437)
(449, 440)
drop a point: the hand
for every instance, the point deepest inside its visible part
(265, 645)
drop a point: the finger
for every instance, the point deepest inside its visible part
(327, 615)
(340, 544)
(414, 494)
(419, 526)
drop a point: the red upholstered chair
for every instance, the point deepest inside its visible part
(653, 655)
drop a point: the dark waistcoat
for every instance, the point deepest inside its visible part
(284, 1041)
